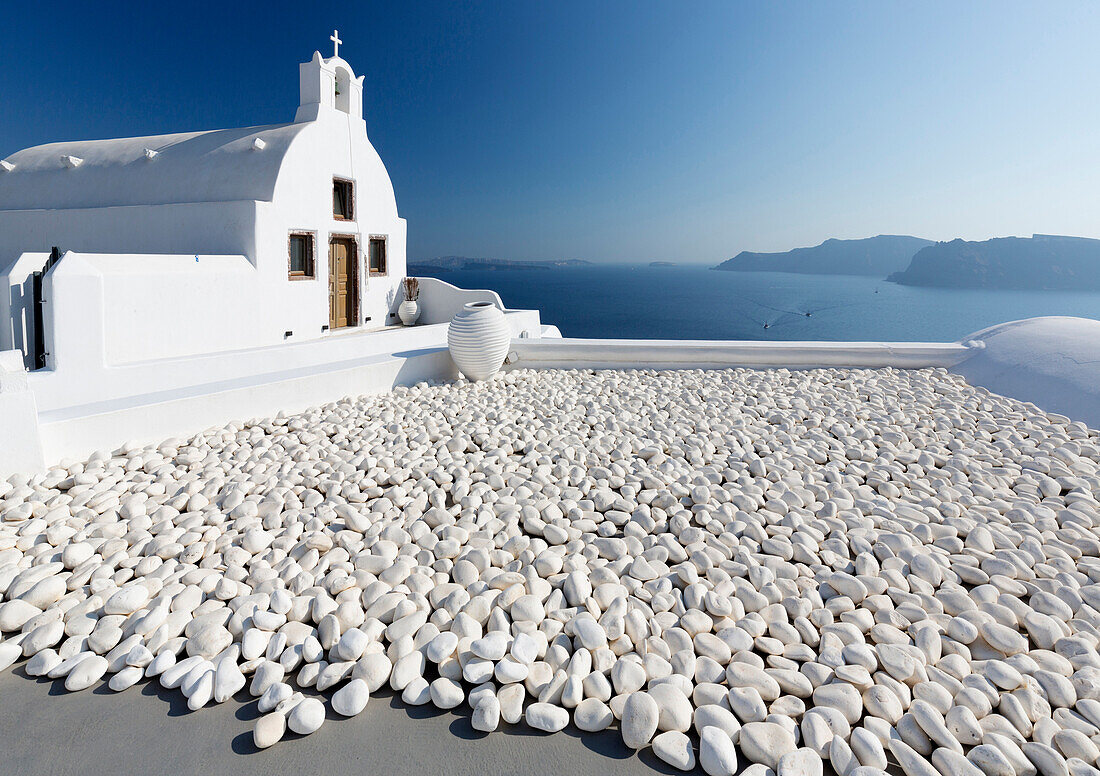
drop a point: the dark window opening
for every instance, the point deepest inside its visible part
(377, 256)
(301, 261)
(342, 200)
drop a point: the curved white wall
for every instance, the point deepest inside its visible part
(333, 145)
(1053, 362)
(440, 301)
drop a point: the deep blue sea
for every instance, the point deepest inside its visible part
(694, 302)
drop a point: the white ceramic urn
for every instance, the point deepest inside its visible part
(408, 311)
(478, 338)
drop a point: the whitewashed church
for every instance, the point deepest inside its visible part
(209, 240)
(152, 285)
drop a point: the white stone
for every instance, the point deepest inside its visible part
(674, 748)
(43, 662)
(675, 710)
(525, 649)
(717, 754)
(228, 680)
(492, 646)
(209, 641)
(127, 600)
(351, 699)
(202, 691)
(713, 715)
(765, 742)
(511, 703)
(843, 697)
(546, 717)
(486, 716)
(269, 729)
(589, 633)
(592, 715)
(417, 692)
(273, 696)
(446, 693)
(374, 669)
(14, 614)
(639, 721)
(125, 678)
(306, 717)
(86, 673)
(800, 762)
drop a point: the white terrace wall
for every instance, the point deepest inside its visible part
(107, 310)
(103, 312)
(151, 400)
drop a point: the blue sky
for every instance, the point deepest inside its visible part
(618, 131)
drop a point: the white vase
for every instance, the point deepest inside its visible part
(408, 311)
(478, 338)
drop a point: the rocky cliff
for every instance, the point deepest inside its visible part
(876, 256)
(1040, 262)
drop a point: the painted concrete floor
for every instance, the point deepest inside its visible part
(148, 730)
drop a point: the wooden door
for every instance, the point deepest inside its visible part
(342, 286)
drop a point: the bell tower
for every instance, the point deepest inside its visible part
(328, 85)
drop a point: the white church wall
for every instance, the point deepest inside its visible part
(288, 169)
(383, 293)
(328, 84)
(301, 305)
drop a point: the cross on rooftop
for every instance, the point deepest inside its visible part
(335, 38)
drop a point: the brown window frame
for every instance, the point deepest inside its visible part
(385, 240)
(349, 187)
(311, 274)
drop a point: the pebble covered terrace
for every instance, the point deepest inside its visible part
(737, 568)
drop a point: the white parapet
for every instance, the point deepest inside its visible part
(20, 441)
(550, 353)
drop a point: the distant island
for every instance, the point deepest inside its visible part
(452, 263)
(662, 264)
(1044, 262)
(875, 256)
